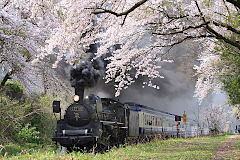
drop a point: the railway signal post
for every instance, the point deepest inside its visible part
(185, 122)
(178, 119)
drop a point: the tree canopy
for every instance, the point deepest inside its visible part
(146, 30)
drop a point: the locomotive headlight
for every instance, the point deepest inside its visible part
(76, 98)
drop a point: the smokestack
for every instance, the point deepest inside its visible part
(79, 90)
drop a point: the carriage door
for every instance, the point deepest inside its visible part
(133, 123)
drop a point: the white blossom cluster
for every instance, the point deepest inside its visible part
(207, 72)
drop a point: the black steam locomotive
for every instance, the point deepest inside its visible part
(106, 122)
(91, 121)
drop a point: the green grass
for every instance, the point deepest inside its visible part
(12, 150)
(194, 148)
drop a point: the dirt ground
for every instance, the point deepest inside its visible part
(228, 150)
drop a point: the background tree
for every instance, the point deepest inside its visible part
(215, 117)
(220, 69)
(231, 81)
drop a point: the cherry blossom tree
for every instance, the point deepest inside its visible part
(146, 30)
(205, 21)
(214, 118)
(24, 28)
(19, 42)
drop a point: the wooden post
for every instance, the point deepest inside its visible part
(177, 129)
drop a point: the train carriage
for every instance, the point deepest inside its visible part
(144, 121)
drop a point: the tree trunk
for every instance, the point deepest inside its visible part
(6, 77)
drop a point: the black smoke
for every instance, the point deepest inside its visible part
(88, 72)
(91, 69)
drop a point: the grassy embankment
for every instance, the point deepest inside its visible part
(194, 148)
(26, 122)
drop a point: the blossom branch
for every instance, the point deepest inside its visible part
(235, 3)
(221, 37)
(228, 27)
(218, 35)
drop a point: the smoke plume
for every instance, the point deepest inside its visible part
(88, 72)
(91, 69)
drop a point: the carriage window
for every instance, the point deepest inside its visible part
(150, 123)
(147, 119)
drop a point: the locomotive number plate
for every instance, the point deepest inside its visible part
(77, 109)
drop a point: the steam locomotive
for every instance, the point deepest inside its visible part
(107, 122)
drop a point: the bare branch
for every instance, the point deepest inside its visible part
(185, 39)
(124, 20)
(229, 13)
(123, 13)
(2, 60)
(29, 114)
(19, 118)
(183, 30)
(6, 77)
(6, 4)
(200, 12)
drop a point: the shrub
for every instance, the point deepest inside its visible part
(16, 87)
(27, 134)
(25, 119)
